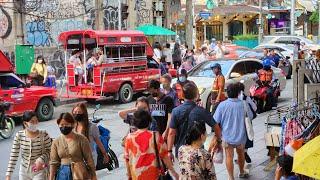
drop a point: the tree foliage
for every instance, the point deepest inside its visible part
(314, 16)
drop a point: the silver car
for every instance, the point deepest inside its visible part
(234, 71)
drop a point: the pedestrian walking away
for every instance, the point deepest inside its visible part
(230, 115)
(34, 145)
(146, 150)
(176, 56)
(69, 157)
(194, 161)
(183, 116)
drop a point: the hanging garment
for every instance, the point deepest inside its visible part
(292, 129)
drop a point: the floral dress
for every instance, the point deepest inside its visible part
(195, 164)
(140, 154)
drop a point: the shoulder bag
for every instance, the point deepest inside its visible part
(80, 170)
(164, 175)
(248, 122)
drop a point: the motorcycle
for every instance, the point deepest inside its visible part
(7, 124)
(259, 95)
(113, 162)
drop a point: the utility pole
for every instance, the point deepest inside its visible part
(97, 13)
(319, 22)
(292, 16)
(261, 23)
(189, 22)
(119, 15)
(19, 20)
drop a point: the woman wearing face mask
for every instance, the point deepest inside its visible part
(68, 148)
(182, 80)
(38, 71)
(35, 150)
(194, 161)
(88, 129)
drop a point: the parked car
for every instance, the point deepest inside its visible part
(286, 50)
(22, 96)
(232, 51)
(258, 54)
(288, 39)
(234, 71)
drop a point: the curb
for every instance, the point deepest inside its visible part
(60, 102)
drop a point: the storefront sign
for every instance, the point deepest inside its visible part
(205, 15)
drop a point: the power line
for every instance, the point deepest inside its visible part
(48, 18)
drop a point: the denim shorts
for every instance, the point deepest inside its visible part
(64, 173)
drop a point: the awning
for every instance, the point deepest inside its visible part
(307, 4)
(152, 30)
(236, 9)
(5, 64)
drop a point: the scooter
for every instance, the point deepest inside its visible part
(259, 95)
(104, 137)
(7, 124)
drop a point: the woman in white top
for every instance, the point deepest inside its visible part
(168, 53)
(219, 50)
(78, 69)
(203, 56)
(34, 146)
(157, 52)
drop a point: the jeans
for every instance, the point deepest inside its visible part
(64, 173)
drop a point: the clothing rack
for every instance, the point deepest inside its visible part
(306, 114)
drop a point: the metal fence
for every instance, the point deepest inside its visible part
(313, 65)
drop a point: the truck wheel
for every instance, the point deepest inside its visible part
(45, 109)
(125, 93)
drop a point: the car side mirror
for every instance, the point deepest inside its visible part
(235, 75)
(287, 57)
(98, 106)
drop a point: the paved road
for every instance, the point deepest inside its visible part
(118, 130)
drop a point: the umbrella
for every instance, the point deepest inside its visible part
(152, 30)
(306, 159)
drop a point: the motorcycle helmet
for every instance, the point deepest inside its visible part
(267, 63)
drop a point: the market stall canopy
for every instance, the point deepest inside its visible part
(306, 159)
(5, 64)
(234, 9)
(152, 30)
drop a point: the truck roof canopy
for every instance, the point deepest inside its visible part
(5, 64)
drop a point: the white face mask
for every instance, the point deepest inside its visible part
(32, 127)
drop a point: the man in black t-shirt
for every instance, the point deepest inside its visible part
(161, 106)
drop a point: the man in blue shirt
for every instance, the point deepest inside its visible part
(183, 116)
(275, 58)
(230, 115)
(168, 90)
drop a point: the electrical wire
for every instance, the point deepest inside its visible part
(48, 18)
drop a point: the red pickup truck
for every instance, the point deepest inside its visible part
(22, 96)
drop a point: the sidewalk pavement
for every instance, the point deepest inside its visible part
(258, 153)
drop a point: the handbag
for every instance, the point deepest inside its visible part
(248, 123)
(164, 175)
(80, 170)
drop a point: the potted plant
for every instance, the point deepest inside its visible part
(246, 40)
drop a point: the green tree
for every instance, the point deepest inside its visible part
(314, 16)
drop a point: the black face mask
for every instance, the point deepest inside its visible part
(155, 94)
(66, 130)
(78, 117)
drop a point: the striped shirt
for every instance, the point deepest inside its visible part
(31, 149)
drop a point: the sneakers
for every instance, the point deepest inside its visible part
(245, 174)
(247, 157)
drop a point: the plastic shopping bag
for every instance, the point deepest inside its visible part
(218, 156)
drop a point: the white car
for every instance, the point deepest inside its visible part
(286, 50)
(288, 39)
(234, 71)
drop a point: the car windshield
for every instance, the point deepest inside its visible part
(204, 70)
(290, 47)
(307, 40)
(252, 54)
(240, 51)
